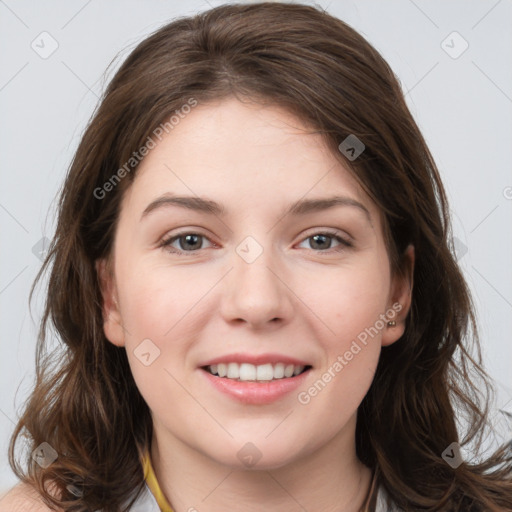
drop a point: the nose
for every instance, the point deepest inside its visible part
(256, 293)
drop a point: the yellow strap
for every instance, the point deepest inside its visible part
(150, 477)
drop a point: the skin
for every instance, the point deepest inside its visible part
(298, 298)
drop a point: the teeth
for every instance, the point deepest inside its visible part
(288, 371)
(263, 372)
(279, 371)
(247, 372)
(233, 371)
(222, 370)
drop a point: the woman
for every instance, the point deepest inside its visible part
(301, 353)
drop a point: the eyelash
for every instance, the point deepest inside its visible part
(166, 243)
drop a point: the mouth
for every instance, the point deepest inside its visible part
(256, 379)
(247, 372)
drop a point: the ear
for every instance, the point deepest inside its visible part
(112, 321)
(400, 298)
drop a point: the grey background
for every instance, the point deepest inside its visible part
(463, 106)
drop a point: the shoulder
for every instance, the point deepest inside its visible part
(23, 498)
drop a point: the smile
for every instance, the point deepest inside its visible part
(255, 379)
(255, 373)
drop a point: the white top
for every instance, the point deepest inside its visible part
(147, 502)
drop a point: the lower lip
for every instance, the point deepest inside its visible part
(256, 392)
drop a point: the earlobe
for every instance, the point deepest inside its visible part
(401, 299)
(112, 320)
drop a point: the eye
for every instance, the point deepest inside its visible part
(188, 242)
(323, 240)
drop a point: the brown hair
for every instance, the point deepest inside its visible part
(85, 403)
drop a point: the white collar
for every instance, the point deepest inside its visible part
(146, 502)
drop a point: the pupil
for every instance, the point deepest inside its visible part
(189, 237)
(324, 237)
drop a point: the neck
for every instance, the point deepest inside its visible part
(329, 479)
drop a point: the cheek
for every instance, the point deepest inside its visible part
(155, 315)
(164, 310)
(154, 299)
(351, 309)
(151, 312)
(352, 299)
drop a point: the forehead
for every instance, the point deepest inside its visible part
(246, 155)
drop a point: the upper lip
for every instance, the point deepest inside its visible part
(255, 359)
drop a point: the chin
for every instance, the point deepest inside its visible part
(257, 455)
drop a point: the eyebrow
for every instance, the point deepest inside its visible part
(301, 207)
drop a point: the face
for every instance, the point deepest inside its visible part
(266, 279)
